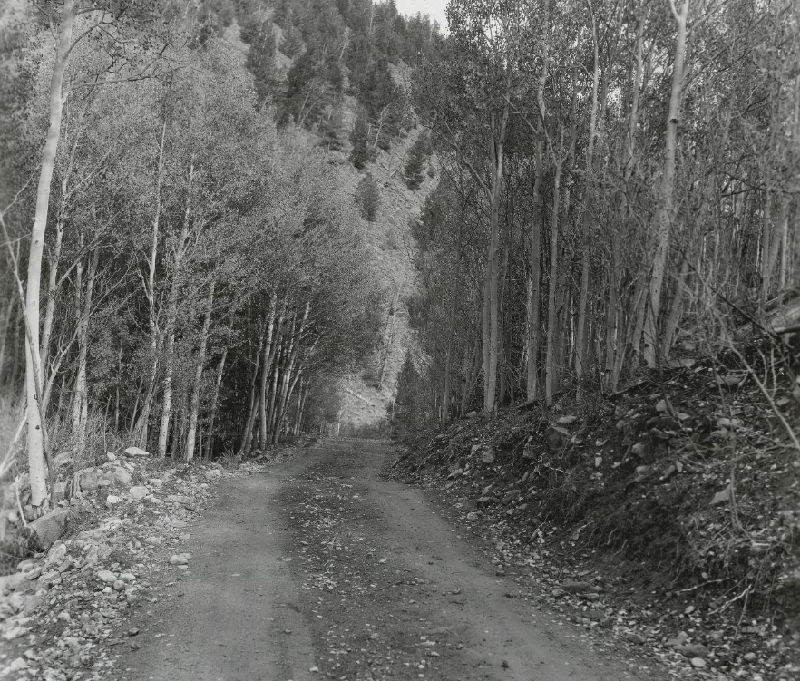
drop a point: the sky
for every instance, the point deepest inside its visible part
(433, 8)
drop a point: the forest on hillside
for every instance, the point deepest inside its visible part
(184, 264)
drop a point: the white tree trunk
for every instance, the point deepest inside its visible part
(33, 366)
(194, 404)
(265, 367)
(581, 331)
(143, 423)
(666, 200)
(550, 368)
(212, 415)
(79, 401)
(172, 315)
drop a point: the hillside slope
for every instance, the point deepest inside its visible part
(366, 395)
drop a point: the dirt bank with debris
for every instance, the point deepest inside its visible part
(675, 501)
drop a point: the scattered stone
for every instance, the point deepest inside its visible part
(16, 665)
(106, 576)
(575, 586)
(557, 438)
(638, 449)
(567, 420)
(136, 452)
(679, 640)
(138, 492)
(133, 631)
(693, 650)
(722, 497)
(112, 499)
(698, 662)
(122, 476)
(179, 559)
(49, 527)
(88, 479)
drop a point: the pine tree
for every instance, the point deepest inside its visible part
(261, 57)
(360, 154)
(368, 197)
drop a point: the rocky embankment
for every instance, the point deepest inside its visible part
(112, 546)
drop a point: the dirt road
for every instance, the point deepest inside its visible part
(321, 569)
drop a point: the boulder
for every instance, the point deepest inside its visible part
(487, 456)
(10, 582)
(122, 476)
(88, 479)
(106, 576)
(138, 492)
(49, 527)
(557, 438)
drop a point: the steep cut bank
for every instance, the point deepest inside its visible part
(367, 394)
(675, 501)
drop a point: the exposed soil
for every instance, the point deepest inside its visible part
(318, 567)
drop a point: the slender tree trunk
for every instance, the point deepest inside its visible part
(535, 280)
(492, 295)
(302, 406)
(279, 354)
(665, 208)
(172, 315)
(580, 333)
(448, 361)
(493, 281)
(285, 392)
(252, 408)
(194, 402)
(612, 311)
(116, 391)
(771, 253)
(273, 302)
(52, 283)
(143, 424)
(79, 400)
(212, 415)
(784, 254)
(8, 318)
(676, 310)
(37, 438)
(550, 369)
